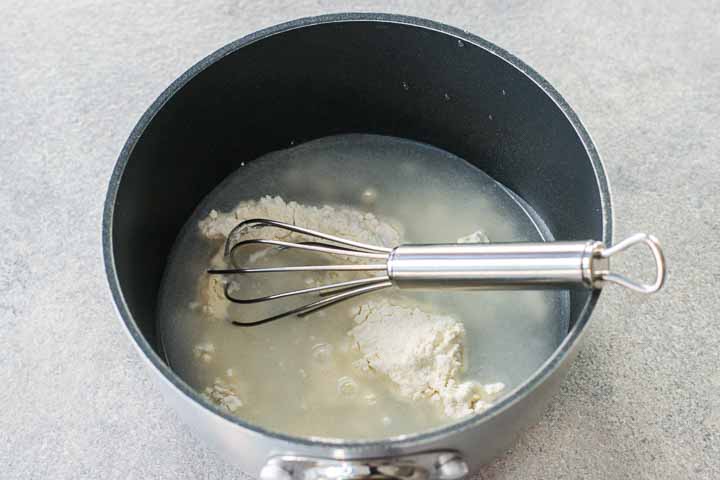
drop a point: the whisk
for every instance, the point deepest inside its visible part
(485, 266)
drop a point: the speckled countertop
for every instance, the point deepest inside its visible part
(641, 401)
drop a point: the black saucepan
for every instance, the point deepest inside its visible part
(369, 73)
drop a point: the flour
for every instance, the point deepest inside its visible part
(224, 395)
(204, 351)
(345, 222)
(421, 352)
(477, 236)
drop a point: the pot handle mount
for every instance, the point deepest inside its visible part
(438, 465)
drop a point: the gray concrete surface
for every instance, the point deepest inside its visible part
(643, 398)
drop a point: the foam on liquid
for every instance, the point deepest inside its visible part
(295, 375)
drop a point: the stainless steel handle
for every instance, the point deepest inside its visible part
(517, 265)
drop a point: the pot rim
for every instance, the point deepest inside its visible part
(403, 441)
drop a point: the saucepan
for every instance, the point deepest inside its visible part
(350, 73)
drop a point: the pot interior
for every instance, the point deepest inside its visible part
(269, 92)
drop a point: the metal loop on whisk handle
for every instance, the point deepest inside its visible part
(486, 266)
(495, 266)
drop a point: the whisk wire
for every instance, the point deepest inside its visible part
(310, 246)
(263, 222)
(327, 289)
(317, 305)
(331, 293)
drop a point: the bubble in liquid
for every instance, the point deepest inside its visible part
(347, 387)
(371, 398)
(322, 352)
(369, 196)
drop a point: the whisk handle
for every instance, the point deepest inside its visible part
(516, 265)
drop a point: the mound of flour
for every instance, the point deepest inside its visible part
(421, 352)
(340, 221)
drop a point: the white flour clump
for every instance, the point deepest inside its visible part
(340, 221)
(476, 237)
(204, 351)
(422, 353)
(224, 395)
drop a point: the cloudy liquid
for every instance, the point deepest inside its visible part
(289, 373)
